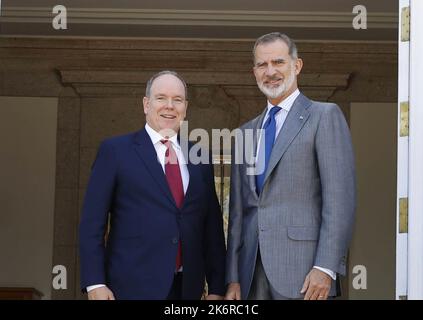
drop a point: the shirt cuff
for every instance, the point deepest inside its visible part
(89, 288)
(327, 271)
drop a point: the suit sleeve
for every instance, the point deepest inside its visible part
(337, 175)
(97, 203)
(235, 216)
(214, 239)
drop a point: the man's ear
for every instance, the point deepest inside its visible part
(146, 104)
(255, 72)
(298, 66)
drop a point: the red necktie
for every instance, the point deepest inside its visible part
(174, 179)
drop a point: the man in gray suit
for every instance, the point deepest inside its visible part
(291, 221)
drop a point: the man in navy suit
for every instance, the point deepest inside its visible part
(166, 230)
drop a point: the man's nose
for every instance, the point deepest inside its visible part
(169, 103)
(270, 70)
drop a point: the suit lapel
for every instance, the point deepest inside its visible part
(256, 127)
(295, 120)
(194, 175)
(145, 150)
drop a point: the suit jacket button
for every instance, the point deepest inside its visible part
(175, 240)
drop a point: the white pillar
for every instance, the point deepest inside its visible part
(402, 162)
(415, 175)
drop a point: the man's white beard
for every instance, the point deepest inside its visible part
(273, 93)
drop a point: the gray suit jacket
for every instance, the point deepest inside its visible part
(304, 215)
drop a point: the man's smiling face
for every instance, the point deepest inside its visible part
(166, 106)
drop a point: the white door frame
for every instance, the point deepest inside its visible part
(415, 178)
(409, 273)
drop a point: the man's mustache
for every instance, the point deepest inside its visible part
(267, 79)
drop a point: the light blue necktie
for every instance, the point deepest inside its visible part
(269, 135)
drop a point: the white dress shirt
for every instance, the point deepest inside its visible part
(280, 118)
(161, 151)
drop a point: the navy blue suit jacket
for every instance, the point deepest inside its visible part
(138, 259)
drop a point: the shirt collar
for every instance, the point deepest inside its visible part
(286, 103)
(157, 137)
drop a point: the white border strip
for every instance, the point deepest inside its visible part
(415, 200)
(402, 164)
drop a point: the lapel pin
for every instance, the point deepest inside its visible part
(301, 118)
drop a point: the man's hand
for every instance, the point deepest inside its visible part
(102, 293)
(213, 297)
(233, 292)
(316, 285)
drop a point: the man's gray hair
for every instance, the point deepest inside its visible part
(274, 36)
(162, 73)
